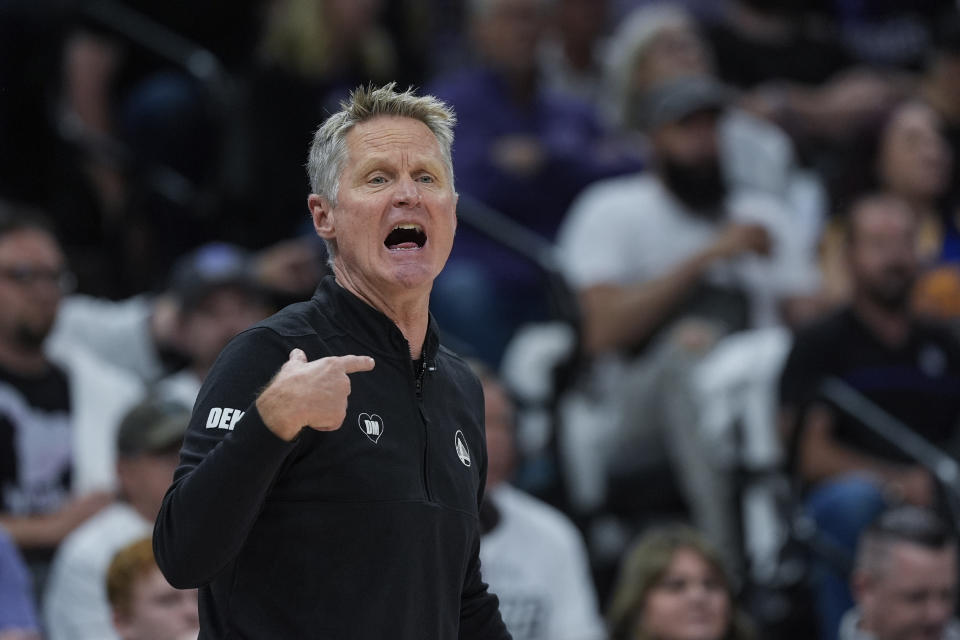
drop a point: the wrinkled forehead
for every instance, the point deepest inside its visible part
(392, 134)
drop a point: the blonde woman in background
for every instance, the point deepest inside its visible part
(673, 586)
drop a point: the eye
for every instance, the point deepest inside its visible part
(426, 178)
(378, 180)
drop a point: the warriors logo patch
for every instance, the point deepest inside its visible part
(460, 444)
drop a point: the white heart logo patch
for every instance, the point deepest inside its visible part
(371, 425)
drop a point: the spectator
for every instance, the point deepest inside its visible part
(664, 263)
(904, 580)
(37, 410)
(658, 43)
(217, 298)
(522, 150)
(907, 156)
(142, 335)
(940, 88)
(797, 73)
(908, 367)
(148, 441)
(672, 586)
(18, 616)
(533, 557)
(572, 56)
(144, 605)
(310, 55)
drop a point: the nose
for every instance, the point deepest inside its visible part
(406, 193)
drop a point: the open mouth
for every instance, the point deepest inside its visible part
(405, 237)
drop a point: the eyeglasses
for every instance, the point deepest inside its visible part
(28, 276)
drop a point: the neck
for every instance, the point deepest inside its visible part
(20, 359)
(409, 310)
(891, 326)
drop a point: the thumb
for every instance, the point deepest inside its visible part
(297, 355)
(353, 364)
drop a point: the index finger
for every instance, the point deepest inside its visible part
(354, 364)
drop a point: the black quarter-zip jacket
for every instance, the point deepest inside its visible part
(368, 532)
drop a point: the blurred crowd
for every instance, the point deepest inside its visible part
(707, 268)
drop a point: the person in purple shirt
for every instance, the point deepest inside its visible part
(522, 150)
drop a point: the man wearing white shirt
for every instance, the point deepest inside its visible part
(664, 264)
(531, 553)
(148, 442)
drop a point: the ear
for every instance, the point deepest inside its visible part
(456, 218)
(322, 214)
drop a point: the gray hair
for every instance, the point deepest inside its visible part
(905, 524)
(328, 152)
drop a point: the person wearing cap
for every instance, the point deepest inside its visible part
(330, 480)
(665, 263)
(148, 440)
(217, 296)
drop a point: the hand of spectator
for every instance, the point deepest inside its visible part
(914, 485)
(737, 238)
(77, 510)
(309, 394)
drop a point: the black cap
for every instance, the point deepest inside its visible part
(211, 267)
(678, 98)
(153, 426)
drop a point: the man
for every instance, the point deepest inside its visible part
(664, 263)
(75, 603)
(312, 503)
(905, 580)
(908, 367)
(143, 605)
(217, 297)
(532, 555)
(38, 403)
(522, 149)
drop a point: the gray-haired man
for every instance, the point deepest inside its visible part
(314, 503)
(905, 579)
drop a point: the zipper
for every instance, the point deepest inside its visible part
(418, 388)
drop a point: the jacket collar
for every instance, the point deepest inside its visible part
(369, 325)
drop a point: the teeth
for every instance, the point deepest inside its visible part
(414, 227)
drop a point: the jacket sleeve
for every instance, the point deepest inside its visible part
(228, 462)
(479, 609)
(480, 617)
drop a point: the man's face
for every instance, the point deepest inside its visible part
(689, 162)
(395, 217)
(159, 612)
(882, 254)
(206, 329)
(145, 478)
(913, 597)
(31, 266)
